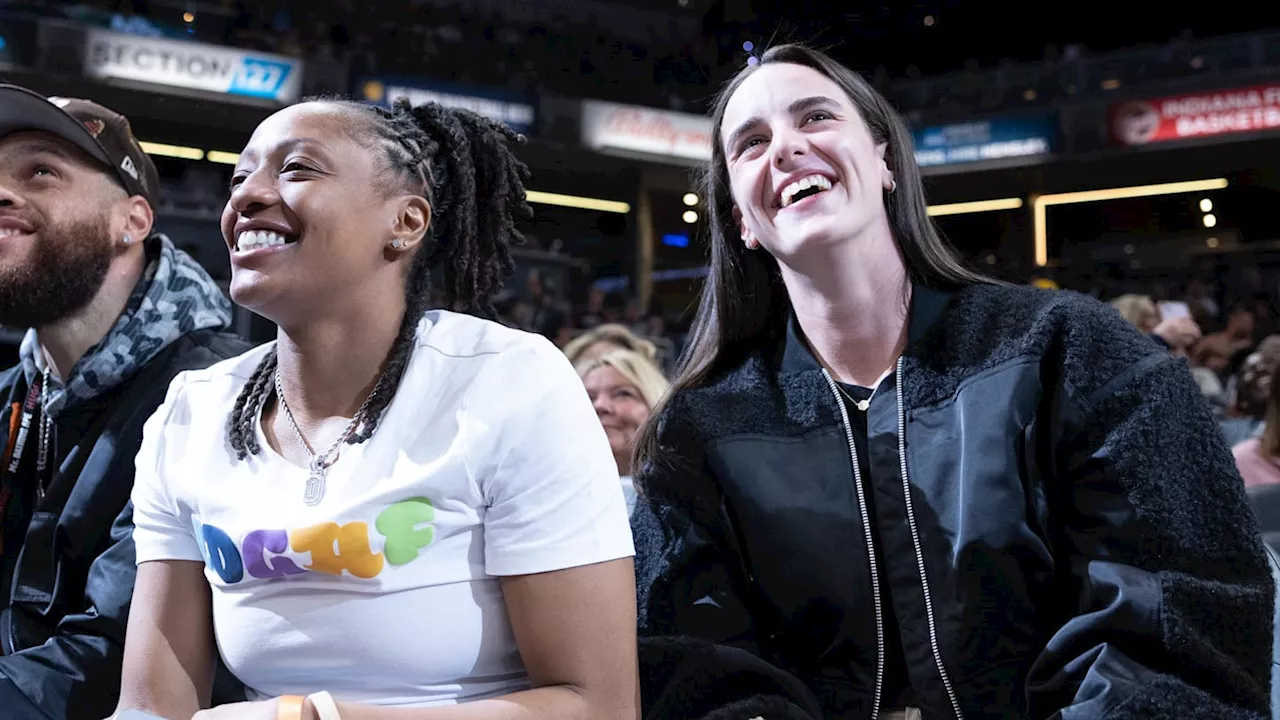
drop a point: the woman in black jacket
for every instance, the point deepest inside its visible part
(909, 488)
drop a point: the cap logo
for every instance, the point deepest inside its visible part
(95, 126)
(60, 101)
(127, 166)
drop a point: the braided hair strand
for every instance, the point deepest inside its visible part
(462, 163)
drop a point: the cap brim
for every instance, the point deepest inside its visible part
(22, 110)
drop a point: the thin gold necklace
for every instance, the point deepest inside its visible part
(862, 405)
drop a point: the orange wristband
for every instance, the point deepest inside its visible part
(289, 708)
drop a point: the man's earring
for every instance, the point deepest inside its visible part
(127, 240)
(397, 243)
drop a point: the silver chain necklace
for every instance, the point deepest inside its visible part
(46, 427)
(320, 464)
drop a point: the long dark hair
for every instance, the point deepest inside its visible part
(744, 302)
(462, 164)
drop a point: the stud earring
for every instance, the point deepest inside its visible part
(397, 243)
(128, 240)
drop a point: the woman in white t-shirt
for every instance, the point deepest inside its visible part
(388, 506)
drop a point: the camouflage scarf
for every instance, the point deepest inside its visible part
(174, 297)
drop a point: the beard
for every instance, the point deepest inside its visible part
(63, 273)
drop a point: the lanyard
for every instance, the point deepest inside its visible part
(18, 433)
(19, 429)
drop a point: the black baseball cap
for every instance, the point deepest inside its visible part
(105, 135)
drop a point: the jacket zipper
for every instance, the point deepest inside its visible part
(871, 550)
(915, 540)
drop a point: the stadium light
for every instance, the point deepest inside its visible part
(225, 158)
(1038, 204)
(174, 151)
(974, 207)
(575, 201)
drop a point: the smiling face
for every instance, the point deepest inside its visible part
(803, 167)
(59, 216)
(310, 219)
(619, 405)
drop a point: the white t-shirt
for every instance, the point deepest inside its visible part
(488, 462)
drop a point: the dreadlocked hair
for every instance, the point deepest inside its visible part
(462, 164)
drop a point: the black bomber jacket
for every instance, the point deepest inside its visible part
(1062, 527)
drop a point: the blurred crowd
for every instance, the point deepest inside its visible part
(1234, 352)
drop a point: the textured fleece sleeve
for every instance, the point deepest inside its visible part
(1173, 588)
(688, 574)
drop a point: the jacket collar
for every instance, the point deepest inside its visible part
(927, 307)
(174, 297)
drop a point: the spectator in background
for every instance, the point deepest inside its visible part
(624, 386)
(115, 311)
(1249, 393)
(1139, 310)
(1217, 349)
(549, 318)
(540, 311)
(604, 339)
(1213, 355)
(1178, 334)
(1204, 309)
(633, 316)
(593, 314)
(1258, 457)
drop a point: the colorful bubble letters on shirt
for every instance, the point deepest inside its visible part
(333, 548)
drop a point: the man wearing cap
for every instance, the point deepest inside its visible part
(114, 311)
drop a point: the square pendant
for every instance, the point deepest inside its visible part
(315, 488)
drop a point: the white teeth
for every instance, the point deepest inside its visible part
(6, 232)
(818, 181)
(256, 239)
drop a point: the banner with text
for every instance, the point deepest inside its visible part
(1196, 115)
(994, 139)
(518, 112)
(633, 130)
(193, 66)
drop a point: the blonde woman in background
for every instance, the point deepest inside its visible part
(1178, 334)
(604, 339)
(624, 386)
(1139, 310)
